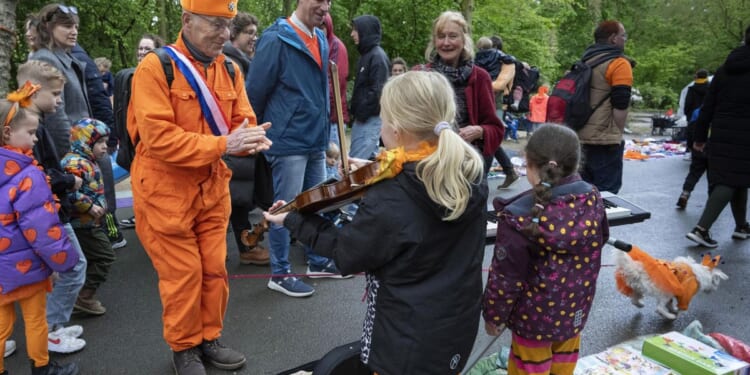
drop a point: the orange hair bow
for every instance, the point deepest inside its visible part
(20, 98)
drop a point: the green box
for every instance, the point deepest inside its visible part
(691, 357)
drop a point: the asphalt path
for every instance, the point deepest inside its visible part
(277, 332)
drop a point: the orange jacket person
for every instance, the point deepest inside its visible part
(181, 185)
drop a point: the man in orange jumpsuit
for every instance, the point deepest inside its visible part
(180, 184)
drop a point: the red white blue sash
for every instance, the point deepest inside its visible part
(216, 119)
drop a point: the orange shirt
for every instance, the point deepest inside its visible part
(619, 73)
(311, 43)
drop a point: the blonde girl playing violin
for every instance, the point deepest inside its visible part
(418, 234)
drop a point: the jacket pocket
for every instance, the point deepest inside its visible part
(227, 98)
(187, 111)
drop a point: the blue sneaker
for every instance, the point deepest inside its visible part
(328, 270)
(291, 286)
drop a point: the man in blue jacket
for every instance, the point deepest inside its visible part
(288, 86)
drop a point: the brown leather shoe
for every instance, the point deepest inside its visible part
(258, 256)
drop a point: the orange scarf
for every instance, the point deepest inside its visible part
(392, 161)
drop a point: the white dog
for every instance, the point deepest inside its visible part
(638, 274)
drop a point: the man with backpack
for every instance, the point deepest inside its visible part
(610, 85)
(181, 185)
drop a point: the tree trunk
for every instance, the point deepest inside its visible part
(7, 41)
(163, 21)
(467, 7)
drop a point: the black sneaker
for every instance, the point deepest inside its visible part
(682, 201)
(188, 362)
(221, 356)
(702, 237)
(742, 233)
(52, 368)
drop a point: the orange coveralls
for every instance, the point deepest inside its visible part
(181, 192)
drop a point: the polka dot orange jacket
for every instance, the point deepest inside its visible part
(33, 243)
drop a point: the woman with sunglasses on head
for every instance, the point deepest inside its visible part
(56, 34)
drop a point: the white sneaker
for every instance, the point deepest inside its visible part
(74, 331)
(64, 344)
(10, 348)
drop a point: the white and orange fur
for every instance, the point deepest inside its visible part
(639, 274)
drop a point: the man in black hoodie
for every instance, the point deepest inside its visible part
(373, 69)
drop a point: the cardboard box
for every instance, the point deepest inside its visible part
(619, 360)
(691, 357)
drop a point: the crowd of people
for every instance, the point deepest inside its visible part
(222, 122)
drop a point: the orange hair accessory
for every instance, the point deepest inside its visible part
(20, 98)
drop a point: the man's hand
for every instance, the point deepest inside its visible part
(248, 139)
(471, 132)
(699, 146)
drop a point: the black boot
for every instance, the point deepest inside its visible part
(188, 362)
(52, 368)
(221, 356)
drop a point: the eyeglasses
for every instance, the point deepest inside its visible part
(68, 9)
(218, 25)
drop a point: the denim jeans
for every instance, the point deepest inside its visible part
(333, 136)
(65, 291)
(291, 175)
(365, 138)
(602, 166)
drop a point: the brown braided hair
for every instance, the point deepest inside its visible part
(554, 151)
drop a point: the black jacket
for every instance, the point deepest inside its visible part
(726, 111)
(237, 56)
(61, 182)
(492, 61)
(372, 69)
(424, 274)
(694, 98)
(101, 107)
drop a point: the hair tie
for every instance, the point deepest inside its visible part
(442, 125)
(545, 184)
(535, 220)
(539, 205)
(552, 163)
(20, 98)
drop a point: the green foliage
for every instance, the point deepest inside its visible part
(669, 39)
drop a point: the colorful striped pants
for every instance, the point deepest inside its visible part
(532, 357)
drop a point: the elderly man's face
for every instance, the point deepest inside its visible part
(208, 34)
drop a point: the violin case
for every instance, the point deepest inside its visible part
(343, 360)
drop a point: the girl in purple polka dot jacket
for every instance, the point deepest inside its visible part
(547, 256)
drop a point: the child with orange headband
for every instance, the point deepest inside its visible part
(33, 243)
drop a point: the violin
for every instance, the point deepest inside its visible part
(327, 196)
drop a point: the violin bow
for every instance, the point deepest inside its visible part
(340, 113)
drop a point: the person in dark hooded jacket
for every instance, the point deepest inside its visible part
(373, 69)
(726, 113)
(420, 246)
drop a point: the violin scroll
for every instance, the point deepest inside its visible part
(251, 237)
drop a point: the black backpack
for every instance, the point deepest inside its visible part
(570, 101)
(527, 80)
(123, 83)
